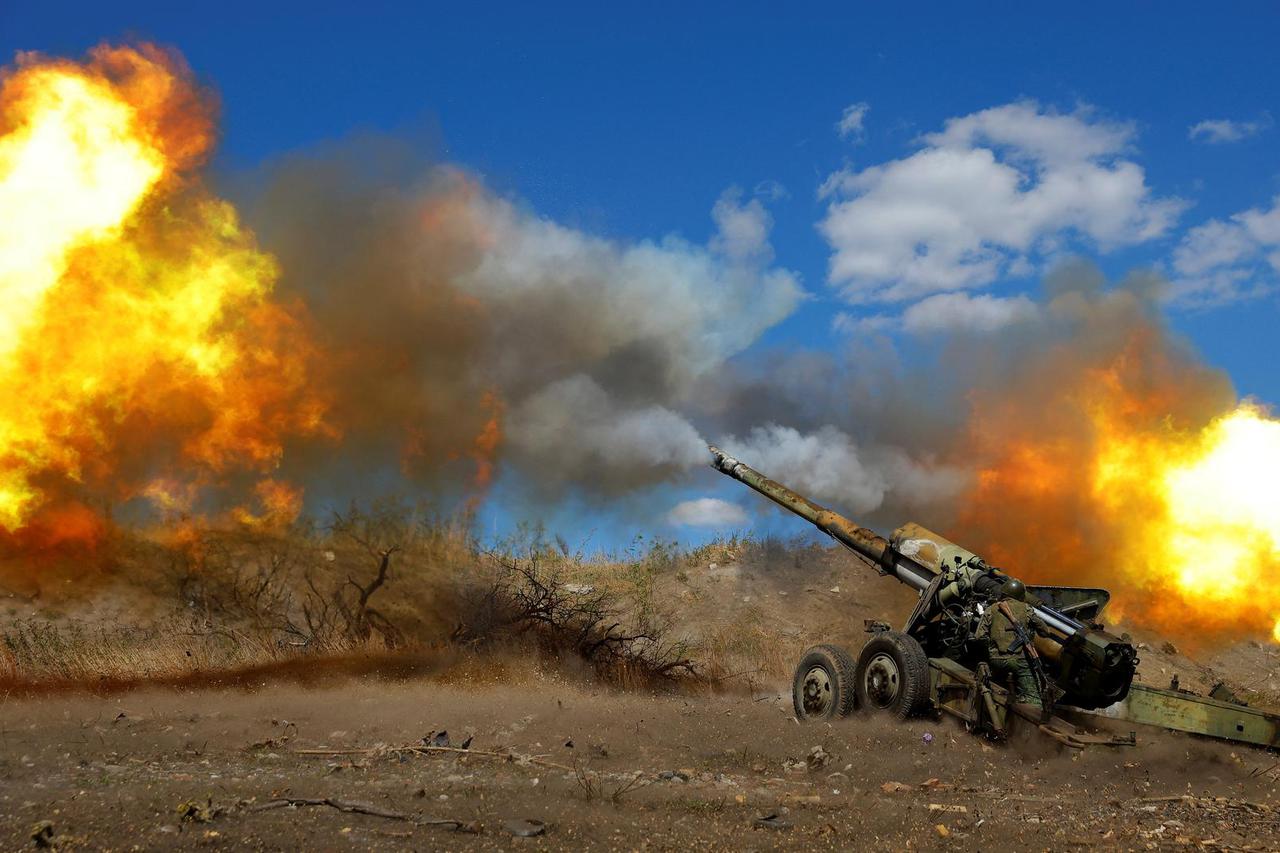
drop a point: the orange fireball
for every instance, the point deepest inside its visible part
(1127, 464)
(141, 350)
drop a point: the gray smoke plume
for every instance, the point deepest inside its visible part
(466, 331)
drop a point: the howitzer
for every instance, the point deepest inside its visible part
(932, 661)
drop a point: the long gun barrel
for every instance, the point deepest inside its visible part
(866, 542)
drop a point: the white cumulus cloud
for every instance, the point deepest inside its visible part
(1219, 131)
(964, 312)
(985, 194)
(707, 512)
(850, 124)
(1228, 260)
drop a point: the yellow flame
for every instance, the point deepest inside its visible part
(70, 173)
(1204, 520)
(138, 341)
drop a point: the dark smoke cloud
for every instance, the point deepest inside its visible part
(445, 306)
(402, 344)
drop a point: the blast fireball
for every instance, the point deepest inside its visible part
(140, 350)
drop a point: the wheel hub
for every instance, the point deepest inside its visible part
(882, 680)
(817, 692)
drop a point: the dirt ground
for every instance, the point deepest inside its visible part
(200, 765)
(634, 772)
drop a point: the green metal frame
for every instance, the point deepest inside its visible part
(1200, 715)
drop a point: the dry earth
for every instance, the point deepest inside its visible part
(613, 770)
(112, 773)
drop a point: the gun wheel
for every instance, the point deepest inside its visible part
(822, 688)
(892, 675)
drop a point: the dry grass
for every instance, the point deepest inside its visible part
(379, 580)
(36, 651)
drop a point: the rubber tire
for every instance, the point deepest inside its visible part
(839, 667)
(913, 673)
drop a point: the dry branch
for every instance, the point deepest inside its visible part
(364, 808)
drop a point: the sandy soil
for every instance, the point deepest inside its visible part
(111, 773)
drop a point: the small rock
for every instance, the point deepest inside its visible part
(42, 834)
(1168, 648)
(818, 758)
(195, 811)
(525, 828)
(894, 788)
(942, 830)
(927, 737)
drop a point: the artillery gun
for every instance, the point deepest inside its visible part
(935, 665)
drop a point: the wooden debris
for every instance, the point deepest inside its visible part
(948, 807)
(366, 809)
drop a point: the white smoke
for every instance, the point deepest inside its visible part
(601, 342)
(572, 431)
(698, 304)
(828, 466)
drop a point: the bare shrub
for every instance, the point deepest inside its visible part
(299, 589)
(529, 597)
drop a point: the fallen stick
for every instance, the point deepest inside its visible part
(364, 808)
(426, 750)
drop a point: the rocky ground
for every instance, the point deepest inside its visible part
(211, 768)
(328, 754)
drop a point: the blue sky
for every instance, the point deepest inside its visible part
(631, 121)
